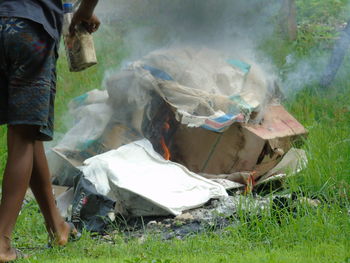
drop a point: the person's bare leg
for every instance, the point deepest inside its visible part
(40, 184)
(20, 143)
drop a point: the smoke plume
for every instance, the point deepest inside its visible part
(237, 27)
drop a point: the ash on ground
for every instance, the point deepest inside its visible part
(214, 216)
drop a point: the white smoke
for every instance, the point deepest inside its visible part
(234, 26)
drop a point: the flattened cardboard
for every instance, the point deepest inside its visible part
(116, 135)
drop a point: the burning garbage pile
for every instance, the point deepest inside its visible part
(172, 131)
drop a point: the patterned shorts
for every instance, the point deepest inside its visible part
(27, 75)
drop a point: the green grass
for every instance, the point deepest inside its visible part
(319, 235)
(303, 235)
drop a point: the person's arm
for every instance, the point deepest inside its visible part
(85, 15)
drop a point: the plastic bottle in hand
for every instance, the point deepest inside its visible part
(80, 49)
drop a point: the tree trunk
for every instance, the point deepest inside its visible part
(336, 60)
(288, 19)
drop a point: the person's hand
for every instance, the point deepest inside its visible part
(90, 22)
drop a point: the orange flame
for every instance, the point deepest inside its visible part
(165, 148)
(250, 183)
(166, 126)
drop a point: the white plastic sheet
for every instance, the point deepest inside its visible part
(136, 170)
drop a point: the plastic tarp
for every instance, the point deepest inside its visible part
(135, 171)
(206, 88)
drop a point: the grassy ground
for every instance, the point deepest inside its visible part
(306, 235)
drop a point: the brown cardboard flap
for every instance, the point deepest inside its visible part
(277, 123)
(116, 135)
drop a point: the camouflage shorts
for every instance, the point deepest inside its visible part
(27, 75)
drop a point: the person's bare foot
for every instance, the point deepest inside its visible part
(8, 253)
(61, 237)
(12, 255)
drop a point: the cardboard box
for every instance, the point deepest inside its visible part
(242, 147)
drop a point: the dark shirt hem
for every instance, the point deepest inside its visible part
(14, 14)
